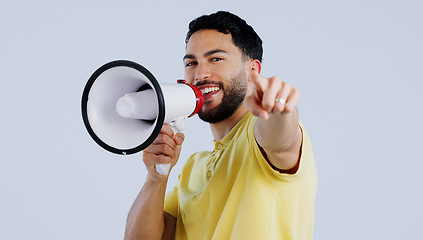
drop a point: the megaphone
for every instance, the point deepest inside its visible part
(124, 107)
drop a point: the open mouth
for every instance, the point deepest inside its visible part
(208, 90)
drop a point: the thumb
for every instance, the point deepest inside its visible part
(179, 138)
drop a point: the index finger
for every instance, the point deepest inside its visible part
(166, 129)
(258, 81)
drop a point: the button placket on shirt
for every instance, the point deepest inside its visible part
(212, 165)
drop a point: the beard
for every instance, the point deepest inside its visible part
(233, 96)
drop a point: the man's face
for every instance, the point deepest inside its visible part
(217, 67)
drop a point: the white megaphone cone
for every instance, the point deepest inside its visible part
(124, 107)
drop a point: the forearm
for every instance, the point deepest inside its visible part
(277, 133)
(280, 138)
(146, 219)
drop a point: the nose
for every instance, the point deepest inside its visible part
(202, 73)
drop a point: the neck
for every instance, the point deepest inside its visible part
(222, 128)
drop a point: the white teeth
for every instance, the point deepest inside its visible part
(209, 90)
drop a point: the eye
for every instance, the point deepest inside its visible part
(191, 63)
(216, 59)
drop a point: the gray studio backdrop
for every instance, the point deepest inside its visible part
(358, 65)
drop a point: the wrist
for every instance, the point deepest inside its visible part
(157, 179)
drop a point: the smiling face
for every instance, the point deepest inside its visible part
(217, 67)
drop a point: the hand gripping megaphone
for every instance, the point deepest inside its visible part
(124, 107)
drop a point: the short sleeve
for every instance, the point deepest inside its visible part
(306, 157)
(171, 202)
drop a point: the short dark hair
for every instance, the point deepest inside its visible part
(243, 35)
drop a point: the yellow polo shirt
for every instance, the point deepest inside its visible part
(233, 193)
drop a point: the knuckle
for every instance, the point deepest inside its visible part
(166, 149)
(162, 138)
(148, 158)
(286, 85)
(274, 81)
(267, 105)
(165, 127)
(162, 159)
(275, 78)
(161, 149)
(279, 108)
(296, 91)
(289, 108)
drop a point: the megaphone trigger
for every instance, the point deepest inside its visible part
(178, 125)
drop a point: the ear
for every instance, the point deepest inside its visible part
(254, 65)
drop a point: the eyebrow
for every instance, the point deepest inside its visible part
(209, 53)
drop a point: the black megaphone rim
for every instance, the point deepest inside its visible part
(160, 99)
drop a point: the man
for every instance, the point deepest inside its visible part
(260, 180)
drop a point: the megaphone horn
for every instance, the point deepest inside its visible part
(124, 107)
